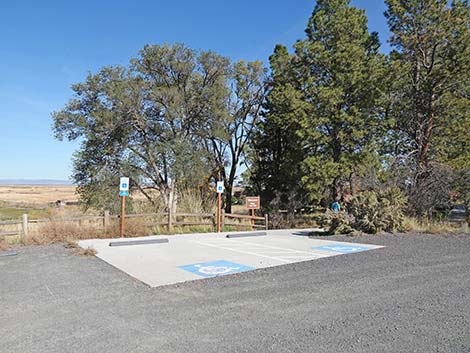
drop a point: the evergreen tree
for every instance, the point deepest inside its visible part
(431, 81)
(342, 79)
(431, 95)
(278, 151)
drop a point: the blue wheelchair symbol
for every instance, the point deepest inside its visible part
(124, 186)
(215, 268)
(340, 248)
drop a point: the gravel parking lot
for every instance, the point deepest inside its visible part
(411, 296)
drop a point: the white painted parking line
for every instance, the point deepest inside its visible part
(241, 251)
(246, 246)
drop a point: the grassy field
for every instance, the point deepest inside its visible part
(8, 212)
(36, 195)
(34, 200)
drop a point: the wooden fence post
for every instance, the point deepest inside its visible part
(106, 221)
(266, 220)
(24, 225)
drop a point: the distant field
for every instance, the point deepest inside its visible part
(36, 195)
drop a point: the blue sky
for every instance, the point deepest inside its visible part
(45, 46)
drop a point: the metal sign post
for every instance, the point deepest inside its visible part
(253, 203)
(220, 190)
(123, 192)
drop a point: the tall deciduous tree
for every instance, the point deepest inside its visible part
(231, 135)
(146, 120)
(342, 82)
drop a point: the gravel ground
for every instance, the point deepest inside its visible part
(412, 296)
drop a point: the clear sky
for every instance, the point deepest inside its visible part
(47, 45)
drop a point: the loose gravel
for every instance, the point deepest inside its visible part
(411, 296)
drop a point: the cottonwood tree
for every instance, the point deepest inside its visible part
(145, 121)
(229, 137)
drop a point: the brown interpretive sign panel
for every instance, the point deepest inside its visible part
(253, 203)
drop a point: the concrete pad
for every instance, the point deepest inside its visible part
(194, 256)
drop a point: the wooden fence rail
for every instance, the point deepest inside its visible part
(22, 227)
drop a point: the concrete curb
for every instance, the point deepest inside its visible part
(138, 242)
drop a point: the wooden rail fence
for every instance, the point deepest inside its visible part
(23, 226)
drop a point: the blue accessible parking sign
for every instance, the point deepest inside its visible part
(340, 248)
(215, 268)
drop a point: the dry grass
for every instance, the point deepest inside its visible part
(59, 231)
(41, 195)
(4, 245)
(71, 244)
(415, 226)
(36, 194)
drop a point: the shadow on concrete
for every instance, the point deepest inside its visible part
(304, 233)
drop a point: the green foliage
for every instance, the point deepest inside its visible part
(377, 211)
(338, 223)
(335, 117)
(157, 122)
(430, 92)
(8, 212)
(342, 76)
(277, 149)
(230, 137)
(321, 126)
(368, 212)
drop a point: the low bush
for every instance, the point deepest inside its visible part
(368, 212)
(60, 232)
(378, 211)
(339, 223)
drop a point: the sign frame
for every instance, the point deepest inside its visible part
(124, 184)
(253, 202)
(123, 192)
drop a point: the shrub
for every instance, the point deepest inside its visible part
(338, 223)
(377, 211)
(368, 212)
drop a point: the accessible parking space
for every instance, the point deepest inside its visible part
(196, 256)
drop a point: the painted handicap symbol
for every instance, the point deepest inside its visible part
(215, 268)
(340, 248)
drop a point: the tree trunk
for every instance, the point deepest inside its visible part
(170, 198)
(229, 186)
(228, 199)
(352, 183)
